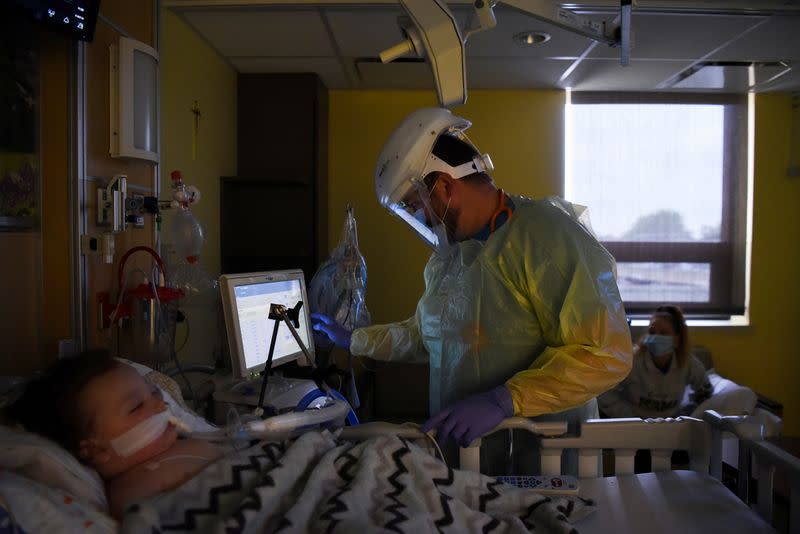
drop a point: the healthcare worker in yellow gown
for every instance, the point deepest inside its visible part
(521, 313)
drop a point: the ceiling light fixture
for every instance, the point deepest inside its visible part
(531, 38)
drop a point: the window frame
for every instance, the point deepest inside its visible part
(726, 258)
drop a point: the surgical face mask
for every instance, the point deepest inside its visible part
(659, 345)
(444, 232)
(141, 435)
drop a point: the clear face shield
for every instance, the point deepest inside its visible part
(416, 209)
(416, 206)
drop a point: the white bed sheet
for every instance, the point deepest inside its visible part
(667, 502)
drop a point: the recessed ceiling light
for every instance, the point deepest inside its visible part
(531, 38)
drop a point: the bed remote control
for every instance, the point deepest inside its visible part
(551, 484)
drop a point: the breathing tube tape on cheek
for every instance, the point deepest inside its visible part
(141, 435)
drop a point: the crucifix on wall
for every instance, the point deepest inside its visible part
(195, 128)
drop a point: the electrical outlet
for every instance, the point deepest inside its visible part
(134, 209)
(134, 203)
(90, 245)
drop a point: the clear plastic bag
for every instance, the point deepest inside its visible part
(199, 287)
(186, 234)
(339, 289)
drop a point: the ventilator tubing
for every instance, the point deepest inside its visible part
(281, 427)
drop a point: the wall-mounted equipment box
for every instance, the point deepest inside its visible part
(133, 97)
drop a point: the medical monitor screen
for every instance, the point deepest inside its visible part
(74, 17)
(248, 298)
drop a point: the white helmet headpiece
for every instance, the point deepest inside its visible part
(407, 158)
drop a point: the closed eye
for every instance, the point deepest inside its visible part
(137, 407)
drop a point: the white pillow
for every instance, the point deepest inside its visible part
(36, 507)
(46, 462)
(727, 398)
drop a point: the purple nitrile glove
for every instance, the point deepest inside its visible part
(472, 417)
(335, 332)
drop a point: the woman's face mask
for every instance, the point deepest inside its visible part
(659, 345)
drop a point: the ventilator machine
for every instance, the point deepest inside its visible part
(268, 325)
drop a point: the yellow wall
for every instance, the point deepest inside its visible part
(523, 132)
(765, 355)
(191, 70)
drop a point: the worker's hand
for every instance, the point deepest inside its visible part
(472, 417)
(335, 332)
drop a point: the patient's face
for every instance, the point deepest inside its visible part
(116, 402)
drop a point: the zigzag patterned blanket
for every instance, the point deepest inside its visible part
(320, 484)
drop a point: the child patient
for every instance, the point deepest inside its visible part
(106, 414)
(662, 368)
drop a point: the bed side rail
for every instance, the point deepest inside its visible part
(760, 456)
(469, 458)
(769, 458)
(625, 437)
(740, 426)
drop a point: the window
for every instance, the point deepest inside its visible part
(664, 176)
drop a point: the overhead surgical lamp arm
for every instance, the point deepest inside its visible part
(432, 32)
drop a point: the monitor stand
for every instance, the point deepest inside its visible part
(282, 394)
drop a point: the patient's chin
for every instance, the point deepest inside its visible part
(167, 439)
(159, 445)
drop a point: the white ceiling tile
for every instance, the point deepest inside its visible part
(297, 39)
(403, 75)
(514, 73)
(789, 82)
(777, 39)
(328, 69)
(365, 33)
(609, 75)
(263, 32)
(499, 40)
(679, 36)
(730, 78)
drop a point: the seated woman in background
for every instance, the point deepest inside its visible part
(107, 415)
(662, 368)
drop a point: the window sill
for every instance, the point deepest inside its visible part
(736, 321)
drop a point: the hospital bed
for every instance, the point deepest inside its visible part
(44, 489)
(664, 500)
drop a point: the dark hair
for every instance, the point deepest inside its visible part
(454, 152)
(49, 406)
(675, 316)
